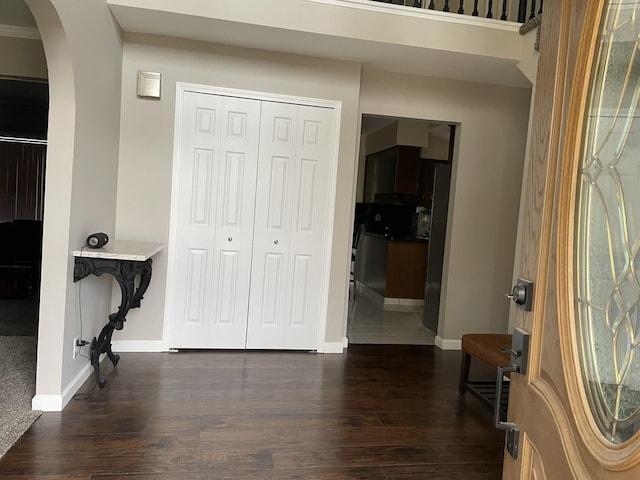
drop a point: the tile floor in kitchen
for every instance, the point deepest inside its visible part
(369, 322)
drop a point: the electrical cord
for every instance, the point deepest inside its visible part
(85, 395)
(80, 297)
(82, 342)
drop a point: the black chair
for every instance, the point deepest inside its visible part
(357, 235)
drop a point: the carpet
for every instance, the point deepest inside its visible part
(17, 388)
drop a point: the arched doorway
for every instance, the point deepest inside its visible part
(83, 49)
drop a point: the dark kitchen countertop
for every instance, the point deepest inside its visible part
(397, 238)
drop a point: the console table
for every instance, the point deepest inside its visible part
(124, 260)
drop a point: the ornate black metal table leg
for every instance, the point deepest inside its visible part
(101, 345)
(95, 362)
(114, 357)
(124, 272)
(144, 270)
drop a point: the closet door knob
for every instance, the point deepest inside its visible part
(275, 242)
(230, 238)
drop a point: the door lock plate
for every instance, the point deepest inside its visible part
(519, 363)
(522, 294)
(513, 441)
(520, 346)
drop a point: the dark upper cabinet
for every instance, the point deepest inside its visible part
(380, 174)
(407, 170)
(393, 173)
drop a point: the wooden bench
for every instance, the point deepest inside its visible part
(486, 348)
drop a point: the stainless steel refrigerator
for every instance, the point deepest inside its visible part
(439, 210)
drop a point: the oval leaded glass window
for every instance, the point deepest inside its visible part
(608, 229)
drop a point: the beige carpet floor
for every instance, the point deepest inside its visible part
(17, 387)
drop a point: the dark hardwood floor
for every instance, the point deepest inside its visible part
(378, 412)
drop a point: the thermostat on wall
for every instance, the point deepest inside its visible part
(149, 84)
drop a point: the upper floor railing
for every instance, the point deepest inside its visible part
(508, 10)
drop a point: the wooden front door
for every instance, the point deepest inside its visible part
(578, 406)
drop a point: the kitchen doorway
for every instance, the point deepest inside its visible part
(404, 175)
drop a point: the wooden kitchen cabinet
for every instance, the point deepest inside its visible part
(407, 170)
(406, 269)
(396, 170)
(392, 268)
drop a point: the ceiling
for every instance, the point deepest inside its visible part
(373, 123)
(236, 24)
(371, 54)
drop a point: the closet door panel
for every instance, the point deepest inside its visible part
(300, 294)
(291, 219)
(271, 291)
(309, 223)
(196, 280)
(198, 168)
(270, 297)
(234, 222)
(216, 195)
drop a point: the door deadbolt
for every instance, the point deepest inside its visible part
(522, 294)
(518, 294)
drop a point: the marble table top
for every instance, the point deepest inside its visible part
(122, 250)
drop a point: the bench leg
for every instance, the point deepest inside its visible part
(464, 373)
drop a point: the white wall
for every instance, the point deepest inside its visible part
(487, 175)
(412, 132)
(438, 148)
(146, 149)
(403, 131)
(84, 54)
(490, 148)
(381, 139)
(528, 63)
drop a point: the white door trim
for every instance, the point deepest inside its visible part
(181, 88)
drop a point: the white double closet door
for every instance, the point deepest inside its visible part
(253, 203)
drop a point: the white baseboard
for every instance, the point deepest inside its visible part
(56, 403)
(47, 403)
(334, 347)
(345, 342)
(415, 304)
(409, 302)
(156, 346)
(136, 345)
(448, 344)
(77, 382)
